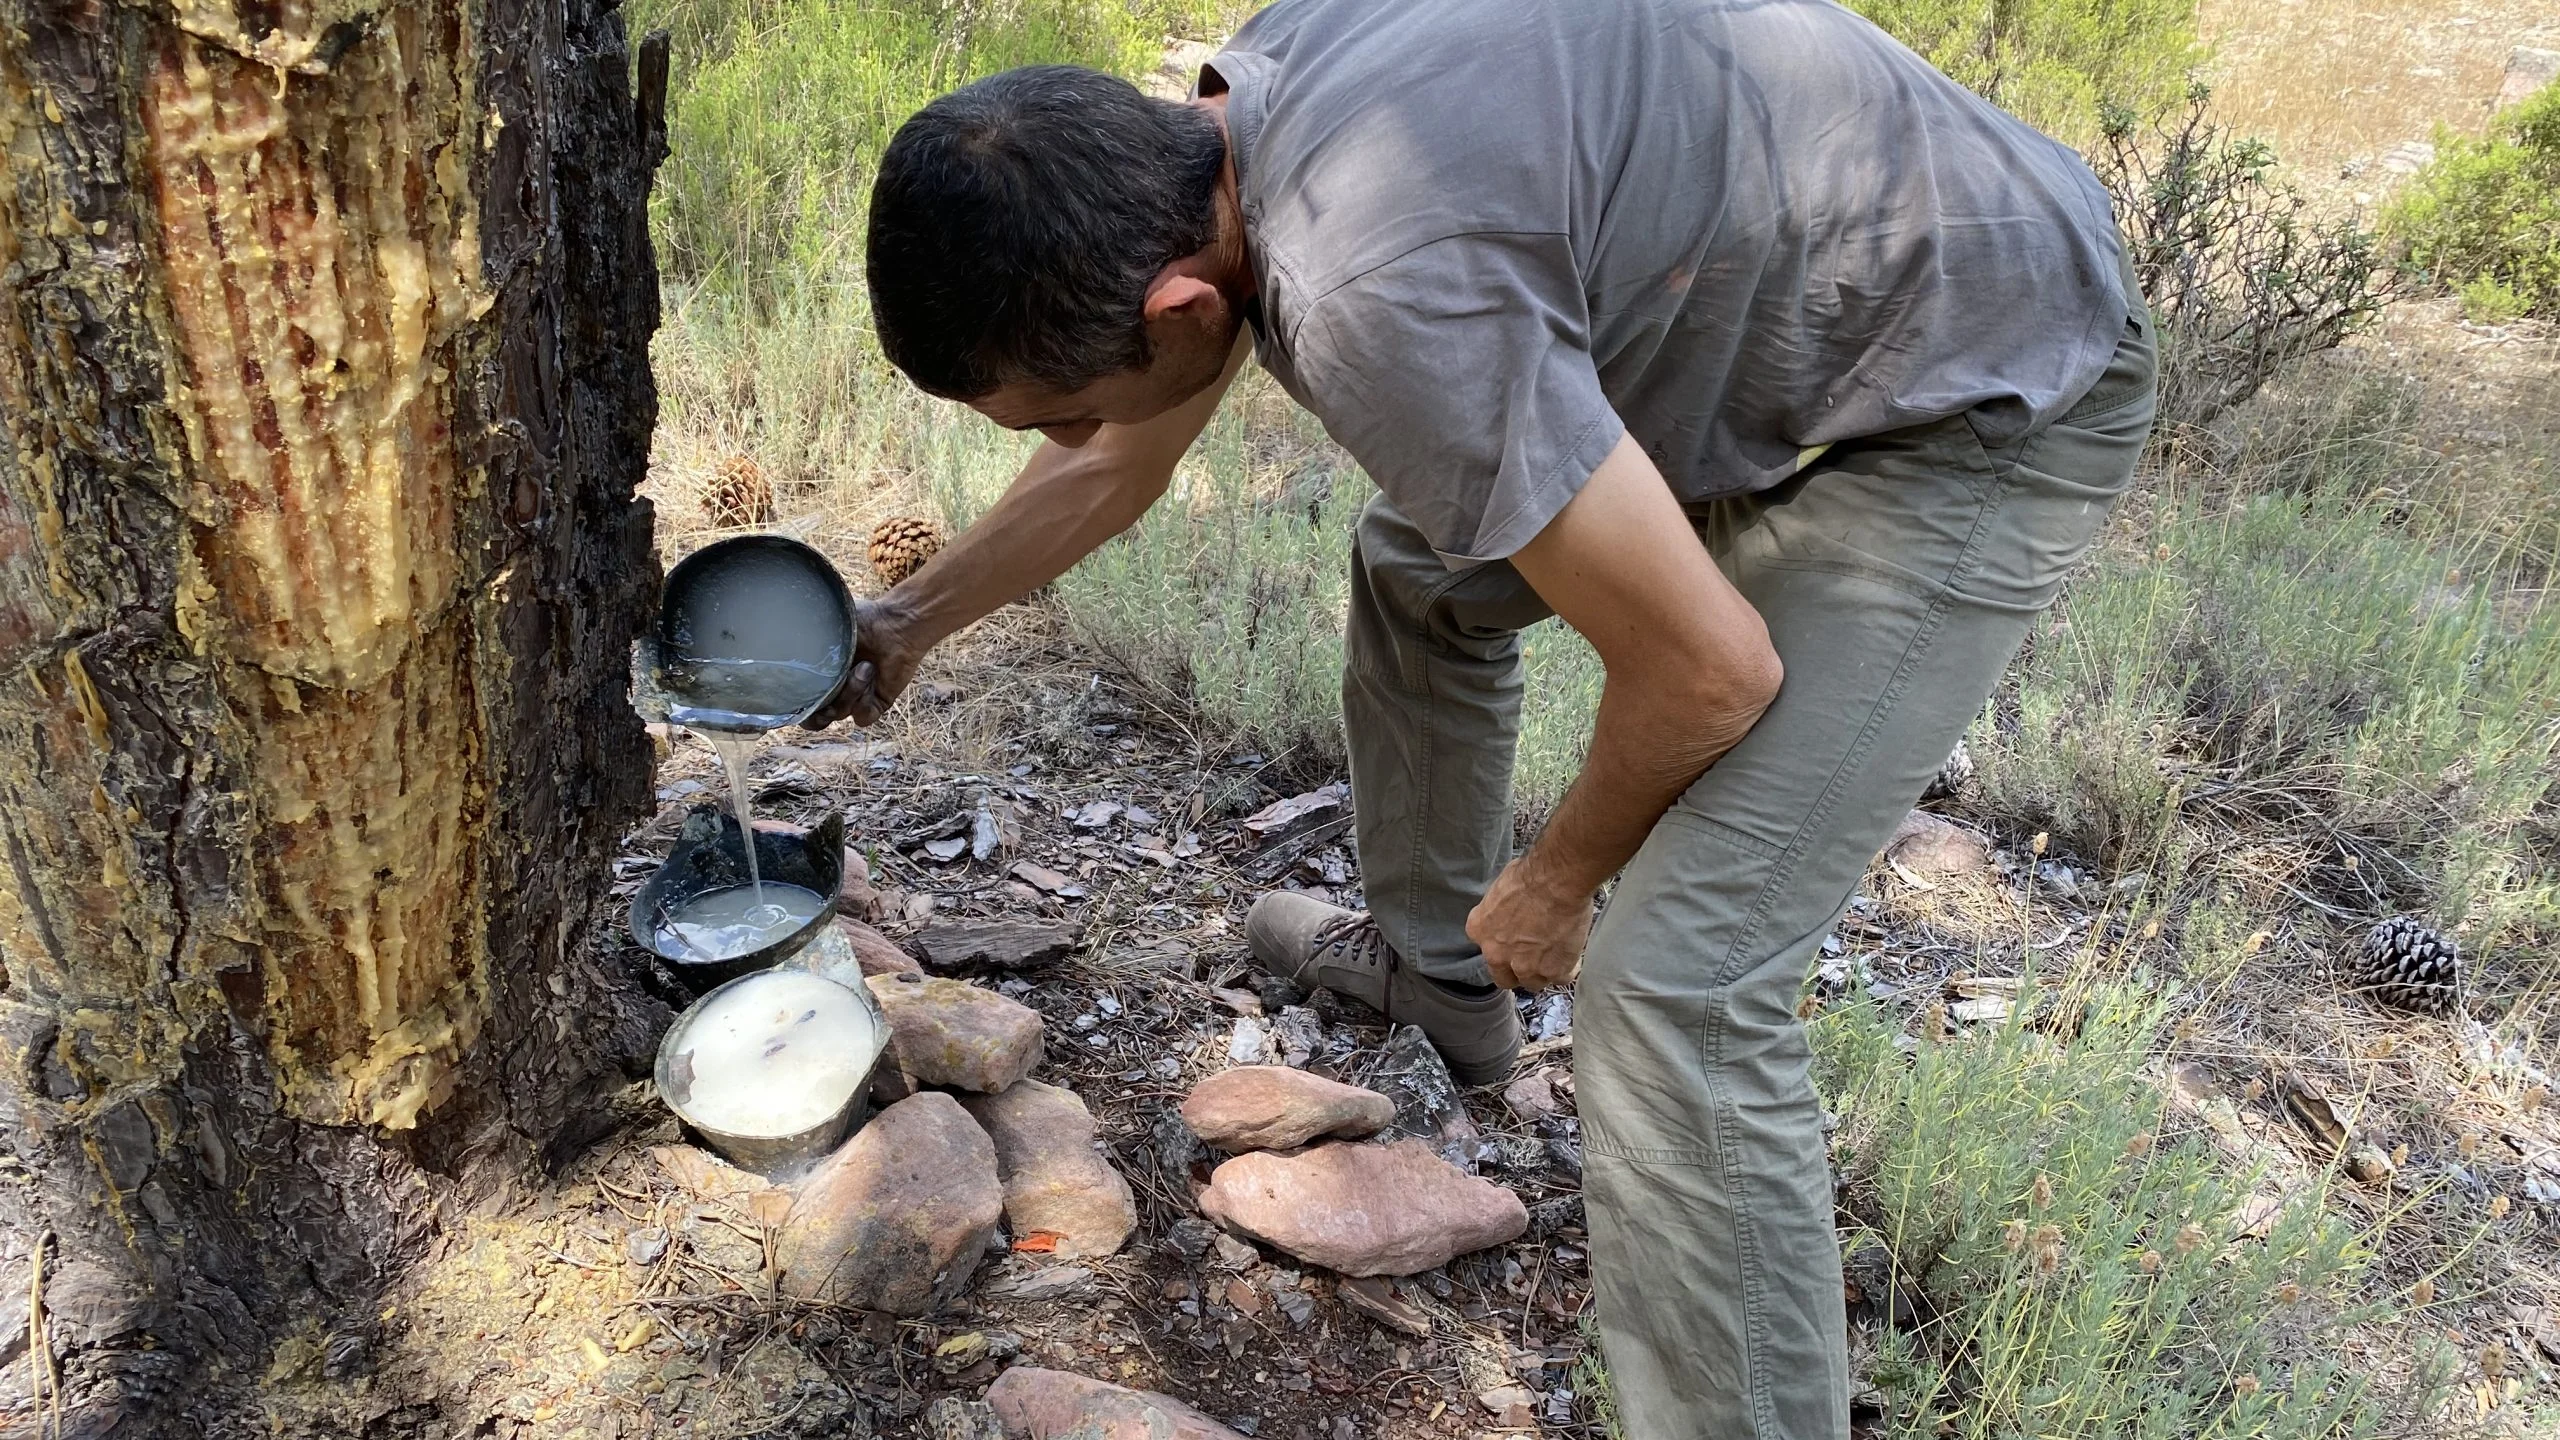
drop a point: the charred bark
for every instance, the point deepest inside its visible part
(323, 394)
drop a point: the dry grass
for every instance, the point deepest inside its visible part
(2330, 82)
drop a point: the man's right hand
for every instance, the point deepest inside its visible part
(1063, 504)
(886, 652)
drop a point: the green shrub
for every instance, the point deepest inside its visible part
(2486, 212)
(2070, 1271)
(2055, 63)
(2296, 665)
(779, 109)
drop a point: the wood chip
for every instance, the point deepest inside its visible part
(1004, 944)
(1378, 1300)
(1039, 877)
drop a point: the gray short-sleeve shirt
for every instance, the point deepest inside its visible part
(1487, 232)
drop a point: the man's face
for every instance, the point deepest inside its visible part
(1186, 360)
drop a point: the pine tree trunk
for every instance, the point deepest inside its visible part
(323, 393)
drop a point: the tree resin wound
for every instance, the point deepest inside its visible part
(724, 924)
(774, 1055)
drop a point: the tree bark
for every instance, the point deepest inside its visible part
(323, 394)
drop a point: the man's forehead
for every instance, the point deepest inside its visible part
(1022, 404)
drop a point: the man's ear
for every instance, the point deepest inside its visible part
(1176, 293)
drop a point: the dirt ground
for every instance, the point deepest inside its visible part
(615, 1302)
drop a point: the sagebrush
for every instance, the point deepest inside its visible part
(2484, 216)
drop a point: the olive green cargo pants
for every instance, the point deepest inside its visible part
(1898, 576)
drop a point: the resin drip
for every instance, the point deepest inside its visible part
(775, 1055)
(733, 750)
(724, 924)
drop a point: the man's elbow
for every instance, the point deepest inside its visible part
(1729, 692)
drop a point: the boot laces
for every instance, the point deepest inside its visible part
(1356, 938)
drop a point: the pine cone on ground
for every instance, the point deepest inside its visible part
(901, 544)
(2409, 965)
(1952, 775)
(739, 495)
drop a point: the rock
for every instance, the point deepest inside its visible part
(1377, 1299)
(2408, 157)
(1532, 1097)
(1412, 1074)
(1927, 848)
(952, 1033)
(1363, 1209)
(952, 1418)
(705, 1176)
(1050, 1282)
(855, 899)
(1038, 1404)
(646, 1245)
(898, 1217)
(1174, 1150)
(1054, 1180)
(1271, 1107)
(1514, 1407)
(1004, 944)
(878, 954)
(1234, 1254)
(2528, 70)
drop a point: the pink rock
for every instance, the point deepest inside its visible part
(1272, 1107)
(955, 1034)
(898, 1217)
(1363, 1209)
(1037, 1404)
(1935, 848)
(878, 953)
(1054, 1180)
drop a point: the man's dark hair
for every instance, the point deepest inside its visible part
(1017, 221)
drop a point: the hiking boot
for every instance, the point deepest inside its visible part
(1320, 945)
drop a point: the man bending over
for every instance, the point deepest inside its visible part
(1789, 373)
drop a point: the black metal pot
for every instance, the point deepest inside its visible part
(710, 854)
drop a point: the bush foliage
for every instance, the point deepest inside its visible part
(2242, 278)
(2056, 63)
(2485, 215)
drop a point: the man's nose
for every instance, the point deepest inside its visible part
(1071, 436)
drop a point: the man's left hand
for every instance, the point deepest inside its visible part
(1530, 929)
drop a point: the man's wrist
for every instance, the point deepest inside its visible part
(1555, 876)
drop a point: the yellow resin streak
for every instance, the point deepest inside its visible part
(322, 264)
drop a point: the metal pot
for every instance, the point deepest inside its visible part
(710, 854)
(768, 1154)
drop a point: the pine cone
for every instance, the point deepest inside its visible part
(1952, 775)
(901, 544)
(739, 495)
(2408, 965)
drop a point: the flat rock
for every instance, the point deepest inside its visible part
(1531, 1097)
(878, 954)
(1376, 1298)
(2529, 68)
(1004, 944)
(1272, 1107)
(1410, 1072)
(952, 1418)
(1054, 1179)
(898, 1217)
(1933, 848)
(704, 1175)
(1363, 1209)
(854, 895)
(1038, 1404)
(955, 1034)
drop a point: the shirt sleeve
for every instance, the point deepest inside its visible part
(1460, 376)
